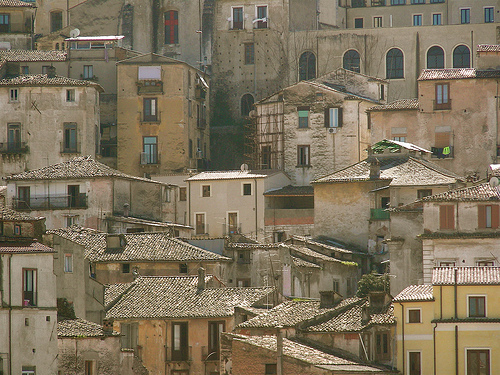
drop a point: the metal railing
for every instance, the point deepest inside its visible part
(14, 148)
(379, 214)
(185, 354)
(440, 106)
(51, 202)
(70, 149)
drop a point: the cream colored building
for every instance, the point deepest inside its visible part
(450, 326)
(314, 127)
(16, 24)
(47, 119)
(221, 203)
(162, 116)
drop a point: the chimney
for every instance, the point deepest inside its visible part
(279, 350)
(107, 326)
(374, 169)
(51, 72)
(201, 279)
(126, 210)
(328, 298)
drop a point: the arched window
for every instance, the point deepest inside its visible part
(394, 64)
(307, 66)
(171, 19)
(461, 57)
(246, 104)
(435, 58)
(352, 61)
(56, 20)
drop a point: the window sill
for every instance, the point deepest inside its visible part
(304, 166)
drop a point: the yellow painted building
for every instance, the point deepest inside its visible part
(451, 326)
(162, 112)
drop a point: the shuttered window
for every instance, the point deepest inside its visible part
(488, 216)
(447, 217)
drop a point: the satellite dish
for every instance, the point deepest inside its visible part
(244, 167)
(494, 182)
(74, 33)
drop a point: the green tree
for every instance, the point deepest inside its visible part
(372, 282)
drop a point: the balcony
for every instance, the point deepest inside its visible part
(200, 92)
(149, 158)
(14, 148)
(185, 354)
(209, 354)
(70, 148)
(441, 106)
(379, 214)
(51, 202)
(149, 87)
(358, 3)
(145, 118)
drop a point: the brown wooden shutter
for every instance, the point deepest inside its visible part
(327, 117)
(442, 140)
(341, 117)
(447, 217)
(494, 216)
(481, 216)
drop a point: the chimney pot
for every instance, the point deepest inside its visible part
(374, 169)
(201, 279)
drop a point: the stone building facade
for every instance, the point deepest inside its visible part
(16, 25)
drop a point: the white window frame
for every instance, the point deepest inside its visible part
(408, 314)
(376, 18)
(432, 19)
(460, 10)
(439, 261)
(68, 265)
(333, 113)
(72, 95)
(485, 305)
(243, 189)
(489, 7)
(479, 260)
(421, 19)
(14, 98)
(201, 190)
(243, 15)
(256, 15)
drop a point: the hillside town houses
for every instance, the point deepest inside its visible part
(224, 187)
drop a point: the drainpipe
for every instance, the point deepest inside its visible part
(10, 314)
(434, 344)
(403, 336)
(256, 218)
(456, 350)
(189, 203)
(455, 293)
(279, 349)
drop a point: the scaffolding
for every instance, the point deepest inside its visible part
(264, 138)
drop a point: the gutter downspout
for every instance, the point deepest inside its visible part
(456, 350)
(10, 314)
(403, 336)
(434, 345)
(455, 293)
(256, 219)
(189, 203)
(279, 349)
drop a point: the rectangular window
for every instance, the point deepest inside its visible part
(477, 306)
(200, 223)
(333, 117)
(13, 95)
(414, 363)
(214, 331)
(70, 95)
(72, 220)
(398, 2)
(205, 191)
(437, 1)
(418, 1)
(488, 216)
(4, 23)
(421, 193)
(247, 189)
(485, 263)
(182, 194)
(478, 362)
(249, 53)
(303, 113)
(28, 370)
(68, 263)
(23, 197)
(436, 19)
(129, 334)
(150, 106)
(377, 21)
(150, 150)
(74, 196)
(261, 17)
(88, 71)
(266, 157)
(14, 137)
(90, 368)
(183, 268)
(358, 23)
(70, 143)
(237, 18)
(303, 154)
(243, 283)
(446, 217)
(465, 15)
(417, 20)
(171, 19)
(180, 348)
(399, 138)
(447, 264)
(232, 222)
(125, 267)
(414, 316)
(25, 70)
(489, 14)
(56, 21)
(382, 345)
(29, 287)
(442, 96)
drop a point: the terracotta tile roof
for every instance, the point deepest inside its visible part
(113, 291)
(398, 105)
(303, 263)
(291, 313)
(457, 73)
(156, 246)
(78, 167)
(482, 192)
(306, 252)
(488, 48)
(7, 214)
(466, 275)
(350, 319)
(291, 191)
(324, 243)
(43, 80)
(455, 235)
(80, 328)
(20, 55)
(397, 170)
(415, 293)
(230, 175)
(307, 354)
(16, 3)
(178, 297)
(24, 248)
(248, 246)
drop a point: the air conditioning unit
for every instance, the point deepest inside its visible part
(332, 130)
